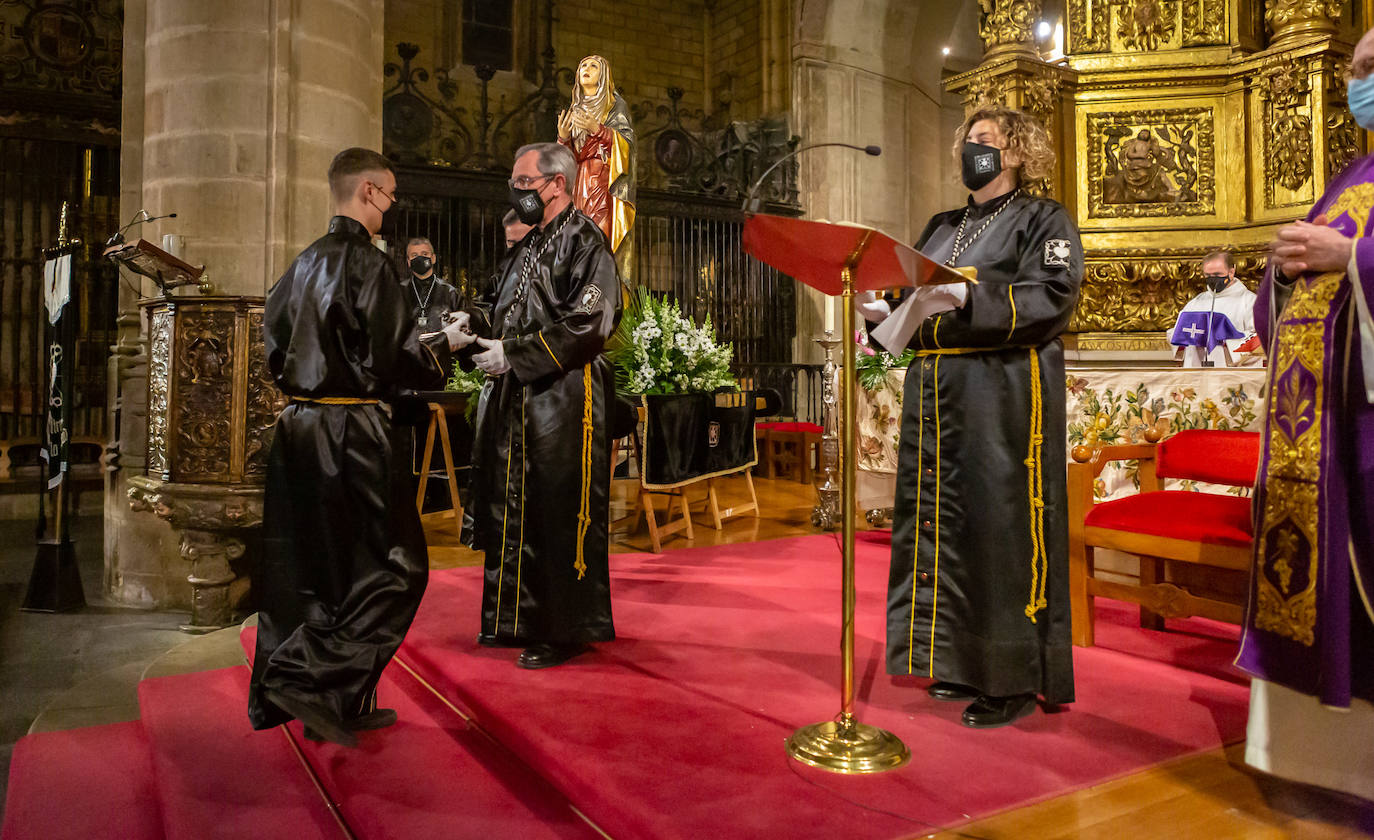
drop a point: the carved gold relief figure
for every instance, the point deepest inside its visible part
(1151, 163)
(1140, 174)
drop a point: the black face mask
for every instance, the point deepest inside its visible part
(420, 265)
(1216, 282)
(981, 164)
(528, 204)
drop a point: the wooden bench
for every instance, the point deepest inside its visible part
(1194, 548)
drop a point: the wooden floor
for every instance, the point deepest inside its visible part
(1209, 796)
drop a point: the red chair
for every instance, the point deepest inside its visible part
(1194, 548)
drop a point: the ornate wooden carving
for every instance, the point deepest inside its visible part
(1143, 291)
(1151, 163)
(204, 384)
(159, 388)
(1008, 25)
(211, 401)
(1287, 132)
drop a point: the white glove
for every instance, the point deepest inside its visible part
(457, 333)
(461, 318)
(873, 310)
(943, 297)
(493, 358)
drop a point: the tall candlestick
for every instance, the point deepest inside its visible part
(828, 307)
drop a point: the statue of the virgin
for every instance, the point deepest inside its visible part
(597, 129)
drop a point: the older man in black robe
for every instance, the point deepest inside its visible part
(345, 562)
(541, 454)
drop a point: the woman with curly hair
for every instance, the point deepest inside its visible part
(978, 588)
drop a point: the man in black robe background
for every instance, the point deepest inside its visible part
(345, 562)
(431, 295)
(541, 454)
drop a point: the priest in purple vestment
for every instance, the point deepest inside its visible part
(1309, 627)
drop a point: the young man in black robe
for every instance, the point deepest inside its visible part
(541, 453)
(978, 588)
(344, 561)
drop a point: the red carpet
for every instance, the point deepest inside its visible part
(677, 728)
(216, 777)
(674, 730)
(82, 784)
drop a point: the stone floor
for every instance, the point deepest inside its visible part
(82, 667)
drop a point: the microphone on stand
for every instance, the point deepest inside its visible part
(752, 204)
(1207, 348)
(118, 238)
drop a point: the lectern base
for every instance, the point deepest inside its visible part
(846, 746)
(55, 583)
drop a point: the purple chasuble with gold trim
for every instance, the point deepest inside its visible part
(1308, 622)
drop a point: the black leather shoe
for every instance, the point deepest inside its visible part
(547, 656)
(375, 719)
(320, 725)
(494, 641)
(990, 712)
(952, 691)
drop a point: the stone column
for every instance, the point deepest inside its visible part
(232, 112)
(857, 79)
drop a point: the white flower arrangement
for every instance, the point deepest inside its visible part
(659, 351)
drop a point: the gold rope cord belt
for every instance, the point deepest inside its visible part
(336, 400)
(964, 351)
(1035, 478)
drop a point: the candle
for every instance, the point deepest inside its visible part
(828, 307)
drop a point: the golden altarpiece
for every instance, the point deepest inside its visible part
(1182, 127)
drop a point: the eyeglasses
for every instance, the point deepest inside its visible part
(524, 182)
(390, 196)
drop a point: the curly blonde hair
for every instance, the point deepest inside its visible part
(1025, 136)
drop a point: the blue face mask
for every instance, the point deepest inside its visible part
(1359, 93)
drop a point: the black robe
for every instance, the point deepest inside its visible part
(541, 469)
(430, 302)
(978, 588)
(344, 560)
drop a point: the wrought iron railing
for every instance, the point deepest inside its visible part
(799, 386)
(36, 176)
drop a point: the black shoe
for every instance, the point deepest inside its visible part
(375, 719)
(951, 691)
(492, 640)
(990, 712)
(320, 725)
(547, 656)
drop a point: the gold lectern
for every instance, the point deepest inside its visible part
(841, 260)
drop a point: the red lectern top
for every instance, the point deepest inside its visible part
(815, 253)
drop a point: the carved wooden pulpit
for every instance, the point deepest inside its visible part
(211, 410)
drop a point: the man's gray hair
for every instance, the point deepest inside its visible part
(554, 159)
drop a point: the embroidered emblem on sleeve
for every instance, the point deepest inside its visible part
(1057, 253)
(590, 297)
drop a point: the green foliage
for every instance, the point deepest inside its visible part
(872, 369)
(657, 350)
(468, 382)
